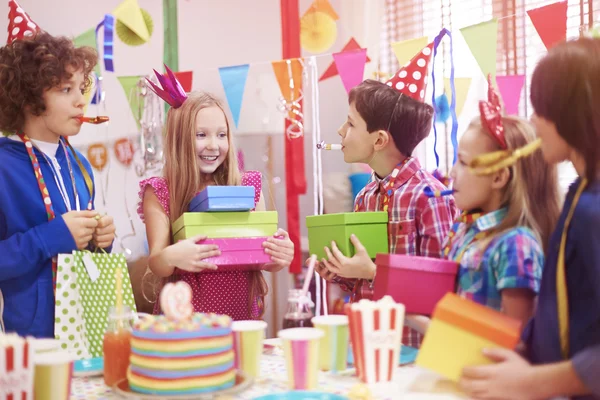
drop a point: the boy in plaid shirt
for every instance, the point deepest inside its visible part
(385, 123)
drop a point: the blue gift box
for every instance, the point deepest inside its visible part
(223, 198)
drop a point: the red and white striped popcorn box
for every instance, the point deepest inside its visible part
(16, 367)
(376, 336)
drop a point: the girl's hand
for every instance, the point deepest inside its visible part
(281, 250)
(189, 256)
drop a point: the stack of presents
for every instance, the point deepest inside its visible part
(460, 329)
(222, 214)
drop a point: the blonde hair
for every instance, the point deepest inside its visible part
(181, 170)
(183, 175)
(531, 196)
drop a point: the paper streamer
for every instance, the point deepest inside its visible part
(234, 82)
(442, 109)
(454, 130)
(108, 42)
(510, 88)
(550, 22)
(321, 295)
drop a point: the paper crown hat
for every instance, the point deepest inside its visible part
(20, 24)
(411, 79)
(172, 92)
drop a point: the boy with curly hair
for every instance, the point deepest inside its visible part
(385, 123)
(46, 187)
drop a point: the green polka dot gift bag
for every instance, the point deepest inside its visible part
(85, 292)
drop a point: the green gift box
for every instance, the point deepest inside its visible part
(369, 227)
(225, 224)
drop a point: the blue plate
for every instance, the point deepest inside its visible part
(408, 355)
(302, 395)
(89, 367)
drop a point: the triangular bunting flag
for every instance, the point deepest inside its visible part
(461, 89)
(550, 22)
(281, 69)
(130, 14)
(323, 6)
(510, 88)
(234, 81)
(351, 67)
(136, 103)
(88, 38)
(332, 71)
(482, 41)
(406, 49)
(185, 78)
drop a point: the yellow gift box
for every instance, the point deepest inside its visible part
(459, 330)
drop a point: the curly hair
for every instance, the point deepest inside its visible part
(29, 67)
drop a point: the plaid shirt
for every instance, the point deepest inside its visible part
(511, 259)
(418, 224)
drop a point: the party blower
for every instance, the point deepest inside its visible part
(94, 120)
(326, 146)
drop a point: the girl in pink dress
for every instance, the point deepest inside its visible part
(199, 152)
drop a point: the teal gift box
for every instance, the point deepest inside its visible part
(371, 228)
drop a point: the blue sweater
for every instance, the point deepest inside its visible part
(28, 241)
(582, 262)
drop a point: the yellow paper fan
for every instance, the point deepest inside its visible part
(318, 32)
(128, 36)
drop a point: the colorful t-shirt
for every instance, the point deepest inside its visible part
(511, 259)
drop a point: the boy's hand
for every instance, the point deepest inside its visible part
(82, 225)
(322, 270)
(359, 266)
(105, 232)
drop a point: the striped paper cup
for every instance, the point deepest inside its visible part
(301, 349)
(333, 355)
(248, 339)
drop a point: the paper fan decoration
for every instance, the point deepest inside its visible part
(131, 38)
(318, 32)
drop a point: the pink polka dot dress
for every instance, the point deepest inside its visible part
(221, 292)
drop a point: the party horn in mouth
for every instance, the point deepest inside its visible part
(94, 120)
(429, 192)
(326, 146)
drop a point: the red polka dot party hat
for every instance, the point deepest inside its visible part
(20, 24)
(411, 80)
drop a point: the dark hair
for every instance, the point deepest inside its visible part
(565, 89)
(408, 121)
(28, 67)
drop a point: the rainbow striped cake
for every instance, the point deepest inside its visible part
(182, 357)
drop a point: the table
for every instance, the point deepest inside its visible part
(410, 383)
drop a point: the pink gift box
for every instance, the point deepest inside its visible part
(239, 254)
(417, 282)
